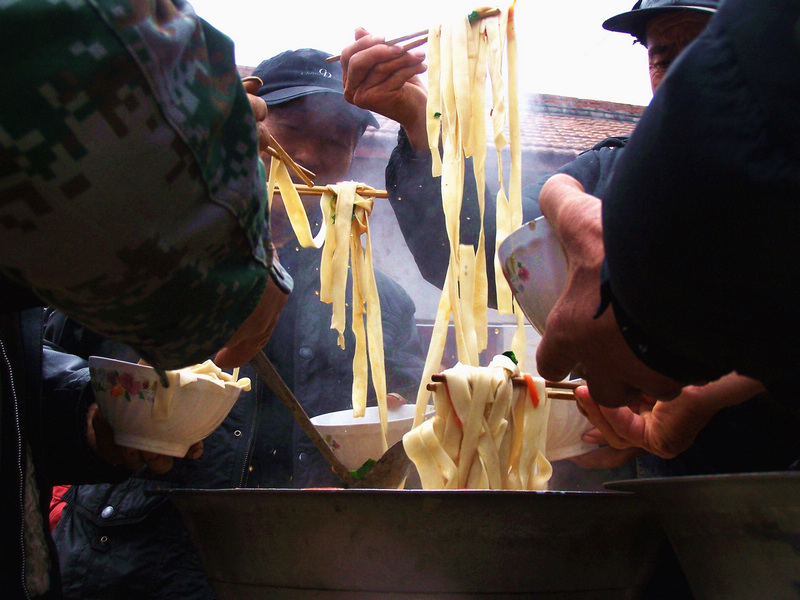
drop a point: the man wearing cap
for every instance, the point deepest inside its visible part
(147, 552)
(384, 79)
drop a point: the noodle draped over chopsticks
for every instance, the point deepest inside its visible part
(460, 55)
(486, 432)
(345, 220)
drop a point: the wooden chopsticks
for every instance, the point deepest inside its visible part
(275, 149)
(481, 13)
(556, 390)
(422, 35)
(320, 189)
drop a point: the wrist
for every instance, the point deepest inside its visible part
(280, 276)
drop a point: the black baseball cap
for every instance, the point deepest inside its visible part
(297, 73)
(635, 20)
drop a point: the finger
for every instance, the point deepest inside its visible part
(260, 110)
(157, 463)
(594, 436)
(131, 458)
(364, 42)
(252, 84)
(361, 64)
(598, 417)
(394, 74)
(195, 451)
(263, 136)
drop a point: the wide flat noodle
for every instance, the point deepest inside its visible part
(346, 218)
(460, 55)
(486, 433)
(206, 371)
(279, 176)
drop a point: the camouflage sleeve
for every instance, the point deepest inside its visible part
(131, 194)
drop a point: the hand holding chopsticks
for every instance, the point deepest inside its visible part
(422, 35)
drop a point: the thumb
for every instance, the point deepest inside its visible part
(552, 363)
(252, 84)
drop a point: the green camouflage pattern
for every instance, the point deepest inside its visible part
(131, 195)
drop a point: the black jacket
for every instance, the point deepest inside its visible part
(43, 405)
(769, 427)
(416, 198)
(701, 224)
(116, 543)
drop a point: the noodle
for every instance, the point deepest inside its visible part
(486, 432)
(459, 56)
(206, 371)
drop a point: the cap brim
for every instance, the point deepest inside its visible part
(292, 93)
(634, 22)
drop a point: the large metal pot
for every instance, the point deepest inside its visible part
(358, 544)
(737, 537)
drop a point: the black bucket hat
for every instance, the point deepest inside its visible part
(297, 73)
(635, 20)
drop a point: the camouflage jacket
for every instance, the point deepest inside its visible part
(131, 194)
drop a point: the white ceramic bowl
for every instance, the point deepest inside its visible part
(565, 426)
(142, 414)
(536, 269)
(354, 440)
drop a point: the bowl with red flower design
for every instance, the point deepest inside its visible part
(536, 269)
(147, 415)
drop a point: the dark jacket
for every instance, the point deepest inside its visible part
(416, 199)
(770, 429)
(116, 543)
(44, 400)
(710, 184)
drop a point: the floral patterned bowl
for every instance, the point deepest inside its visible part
(147, 416)
(536, 269)
(354, 440)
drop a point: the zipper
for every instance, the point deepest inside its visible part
(251, 434)
(20, 470)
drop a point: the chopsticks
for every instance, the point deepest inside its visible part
(422, 35)
(318, 190)
(275, 149)
(480, 13)
(556, 390)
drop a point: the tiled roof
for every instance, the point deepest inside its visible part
(559, 124)
(556, 125)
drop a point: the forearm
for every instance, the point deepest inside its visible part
(416, 199)
(703, 402)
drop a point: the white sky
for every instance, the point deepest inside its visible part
(563, 47)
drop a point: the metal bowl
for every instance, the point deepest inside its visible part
(390, 544)
(736, 536)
